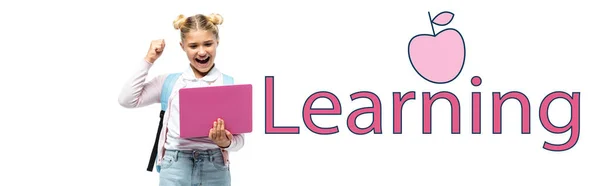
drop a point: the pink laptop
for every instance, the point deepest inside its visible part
(200, 107)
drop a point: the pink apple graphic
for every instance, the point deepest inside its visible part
(438, 57)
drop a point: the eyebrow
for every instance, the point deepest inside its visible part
(207, 41)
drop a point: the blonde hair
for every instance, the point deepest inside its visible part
(198, 22)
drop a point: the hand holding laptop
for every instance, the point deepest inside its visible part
(218, 134)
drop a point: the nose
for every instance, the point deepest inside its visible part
(201, 52)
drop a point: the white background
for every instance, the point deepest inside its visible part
(63, 64)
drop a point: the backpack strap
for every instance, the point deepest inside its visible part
(227, 80)
(167, 88)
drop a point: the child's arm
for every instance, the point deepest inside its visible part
(137, 92)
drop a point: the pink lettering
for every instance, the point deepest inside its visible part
(375, 110)
(573, 124)
(455, 107)
(270, 111)
(476, 113)
(398, 105)
(308, 111)
(497, 110)
(399, 101)
(476, 107)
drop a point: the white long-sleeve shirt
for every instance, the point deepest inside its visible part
(137, 92)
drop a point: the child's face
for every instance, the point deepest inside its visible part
(201, 49)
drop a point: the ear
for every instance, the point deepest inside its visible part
(181, 44)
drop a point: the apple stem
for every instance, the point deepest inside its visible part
(431, 23)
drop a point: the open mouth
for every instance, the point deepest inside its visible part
(202, 61)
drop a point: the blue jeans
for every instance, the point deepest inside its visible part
(194, 168)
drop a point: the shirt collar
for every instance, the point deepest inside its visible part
(189, 75)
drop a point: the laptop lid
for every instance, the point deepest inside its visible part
(200, 107)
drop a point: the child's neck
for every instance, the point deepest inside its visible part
(199, 74)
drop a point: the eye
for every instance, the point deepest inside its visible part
(207, 44)
(193, 46)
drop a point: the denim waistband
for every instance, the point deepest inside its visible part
(209, 154)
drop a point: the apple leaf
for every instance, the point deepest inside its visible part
(443, 18)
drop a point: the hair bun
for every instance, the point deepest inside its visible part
(179, 22)
(215, 19)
